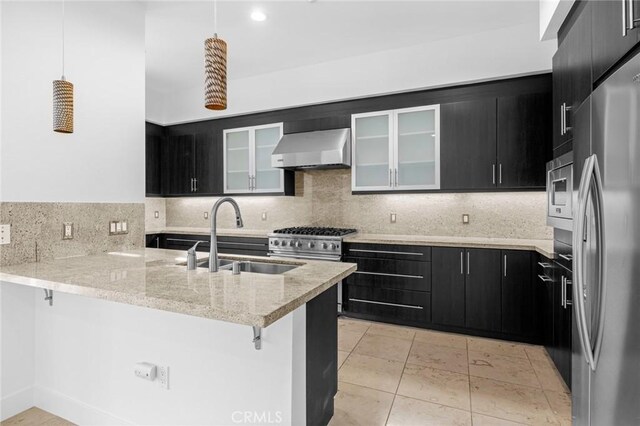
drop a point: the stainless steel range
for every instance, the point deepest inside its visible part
(306, 242)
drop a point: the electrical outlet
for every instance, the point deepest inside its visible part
(67, 231)
(393, 218)
(206, 215)
(264, 216)
(162, 377)
(118, 227)
(465, 219)
(5, 234)
(156, 214)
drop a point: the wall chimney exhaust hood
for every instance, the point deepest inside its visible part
(324, 149)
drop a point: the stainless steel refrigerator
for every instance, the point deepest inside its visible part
(606, 249)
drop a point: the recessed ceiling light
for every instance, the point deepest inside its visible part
(258, 15)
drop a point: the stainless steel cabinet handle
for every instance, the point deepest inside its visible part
(382, 274)
(561, 119)
(191, 184)
(408, 253)
(397, 178)
(195, 185)
(462, 263)
(493, 173)
(624, 18)
(545, 265)
(390, 178)
(468, 268)
(386, 303)
(567, 302)
(566, 257)
(628, 17)
(505, 265)
(563, 292)
(233, 243)
(567, 128)
(544, 278)
(500, 174)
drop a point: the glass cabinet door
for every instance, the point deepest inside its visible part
(417, 145)
(372, 153)
(237, 160)
(267, 178)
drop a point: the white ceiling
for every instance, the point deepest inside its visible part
(298, 33)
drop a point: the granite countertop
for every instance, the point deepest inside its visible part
(544, 247)
(229, 232)
(158, 279)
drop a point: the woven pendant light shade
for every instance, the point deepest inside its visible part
(215, 64)
(62, 106)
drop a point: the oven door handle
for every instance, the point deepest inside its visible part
(303, 256)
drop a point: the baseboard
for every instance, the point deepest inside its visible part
(16, 403)
(73, 409)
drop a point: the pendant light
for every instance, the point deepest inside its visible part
(215, 67)
(62, 97)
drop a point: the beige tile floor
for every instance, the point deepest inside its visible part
(35, 417)
(401, 376)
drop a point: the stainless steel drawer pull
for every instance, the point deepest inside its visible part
(566, 257)
(419, 277)
(242, 244)
(184, 240)
(399, 305)
(544, 264)
(386, 252)
(544, 278)
(462, 263)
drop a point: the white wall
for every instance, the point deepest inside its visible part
(552, 15)
(103, 161)
(506, 52)
(85, 350)
(17, 348)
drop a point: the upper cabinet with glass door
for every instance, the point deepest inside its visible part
(396, 150)
(247, 160)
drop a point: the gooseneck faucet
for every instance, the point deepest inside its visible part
(213, 246)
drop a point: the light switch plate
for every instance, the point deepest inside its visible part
(67, 231)
(156, 214)
(206, 215)
(465, 219)
(118, 227)
(264, 216)
(5, 234)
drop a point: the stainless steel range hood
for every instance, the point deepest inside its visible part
(324, 149)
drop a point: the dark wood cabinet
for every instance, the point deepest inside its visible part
(208, 179)
(468, 144)
(154, 135)
(562, 320)
(392, 283)
(447, 287)
(178, 165)
(524, 129)
(572, 71)
(483, 290)
(609, 43)
(519, 301)
(250, 246)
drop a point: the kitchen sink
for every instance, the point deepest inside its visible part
(251, 266)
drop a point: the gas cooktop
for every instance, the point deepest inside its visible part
(315, 231)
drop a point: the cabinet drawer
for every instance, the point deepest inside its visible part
(388, 251)
(397, 305)
(226, 245)
(391, 274)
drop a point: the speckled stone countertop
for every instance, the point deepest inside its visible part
(544, 247)
(158, 279)
(230, 232)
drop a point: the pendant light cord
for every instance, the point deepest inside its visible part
(215, 17)
(63, 16)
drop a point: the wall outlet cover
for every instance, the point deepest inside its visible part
(393, 218)
(156, 214)
(163, 377)
(67, 231)
(264, 216)
(5, 234)
(465, 219)
(206, 215)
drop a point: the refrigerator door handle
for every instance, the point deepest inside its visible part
(590, 179)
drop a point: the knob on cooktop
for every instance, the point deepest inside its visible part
(324, 245)
(276, 243)
(311, 245)
(298, 244)
(332, 246)
(291, 243)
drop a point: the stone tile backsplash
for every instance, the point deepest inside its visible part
(323, 198)
(36, 229)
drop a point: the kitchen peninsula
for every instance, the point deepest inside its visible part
(201, 325)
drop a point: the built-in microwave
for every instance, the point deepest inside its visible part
(560, 192)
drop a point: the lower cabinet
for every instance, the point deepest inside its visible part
(392, 283)
(447, 294)
(519, 301)
(249, 246)
(483, 290)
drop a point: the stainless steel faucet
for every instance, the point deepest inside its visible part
(213, 246)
